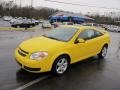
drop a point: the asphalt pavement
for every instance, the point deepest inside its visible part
(90, 74)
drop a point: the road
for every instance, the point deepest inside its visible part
(91, 74)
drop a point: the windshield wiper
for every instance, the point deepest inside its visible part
(52, 37)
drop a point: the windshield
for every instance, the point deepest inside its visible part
(61, 33)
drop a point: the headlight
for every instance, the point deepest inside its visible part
(38, 55)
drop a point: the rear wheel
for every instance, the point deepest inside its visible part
(60, 65)
(103, 52)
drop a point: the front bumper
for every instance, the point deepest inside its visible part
(28, 68)
(34, 66)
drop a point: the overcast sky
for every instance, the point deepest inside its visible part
(66, 7)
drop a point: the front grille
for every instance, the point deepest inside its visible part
(19, 63)
(22, 52)
(32, 69)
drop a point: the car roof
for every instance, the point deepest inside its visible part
(79, 27)
(85, 27)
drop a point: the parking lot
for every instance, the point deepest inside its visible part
(4, 23)
(91, 74)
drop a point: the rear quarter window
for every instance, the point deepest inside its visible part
(97, 33)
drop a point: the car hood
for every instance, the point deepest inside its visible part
(41, 44)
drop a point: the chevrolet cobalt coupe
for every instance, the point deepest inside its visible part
(57, 49)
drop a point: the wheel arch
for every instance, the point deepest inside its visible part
(63, 54)
(60, 55)
(106, 44)
(100, 53)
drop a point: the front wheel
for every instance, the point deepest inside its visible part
(103, 52)
(60, 65)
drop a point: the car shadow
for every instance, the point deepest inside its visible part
(90, 65)
(22, 75)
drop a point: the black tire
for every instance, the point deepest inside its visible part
(30, 26)
(17, 26)
(63, 67)
(103, 52)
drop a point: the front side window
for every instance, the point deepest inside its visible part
(89, 34)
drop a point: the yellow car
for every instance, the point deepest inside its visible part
(57, 49)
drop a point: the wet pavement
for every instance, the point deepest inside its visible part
(90, 74)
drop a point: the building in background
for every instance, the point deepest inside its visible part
(69, 17)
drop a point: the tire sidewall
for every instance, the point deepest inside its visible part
(54, 71)
(101, 53)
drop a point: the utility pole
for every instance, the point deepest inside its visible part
(14, 1)
(14, 8)
(20, 3)
(20, 7)
(31, 10)
(31, 3)
(10, 5)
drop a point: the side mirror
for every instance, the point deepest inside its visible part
(81, 40)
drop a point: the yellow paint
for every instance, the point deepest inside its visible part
(54, 48)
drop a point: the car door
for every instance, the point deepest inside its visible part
(86, 49)
(89, 44)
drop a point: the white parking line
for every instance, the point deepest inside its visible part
(31, 83)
